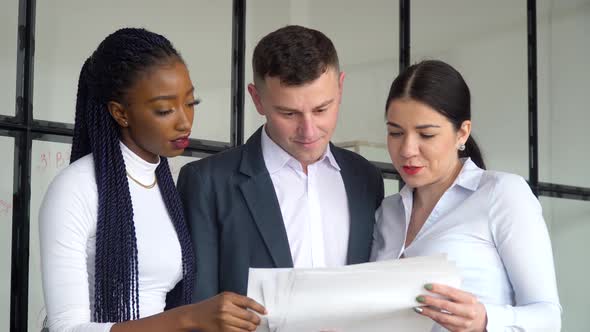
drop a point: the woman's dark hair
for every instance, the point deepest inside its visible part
(440, 86)
(106, 76)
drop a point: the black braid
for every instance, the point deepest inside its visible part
(105, 76)
(172, 201)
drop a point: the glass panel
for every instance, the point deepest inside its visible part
(176, 164)
(486, 42)
(6, 191)
(8, 47)
(200, 31)
(367, 44)
(569, 226)
(48, 159)
(563, 70)
(391, 187)
(370, 150)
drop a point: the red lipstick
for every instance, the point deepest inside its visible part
(412, 170)
(181, 143)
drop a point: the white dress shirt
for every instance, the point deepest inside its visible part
(314, 206)
(67, 222)
(491, 225)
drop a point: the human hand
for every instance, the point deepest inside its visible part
(457, 311)
(227, 312)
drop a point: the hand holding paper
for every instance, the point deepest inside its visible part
(457, 311)
(365, 297)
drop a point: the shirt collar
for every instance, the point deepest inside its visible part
(468, 178)
(470, 175)
(276, 158)
(138, 168)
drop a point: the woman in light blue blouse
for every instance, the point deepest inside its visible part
(488, 222)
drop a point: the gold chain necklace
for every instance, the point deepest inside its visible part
(149, 186)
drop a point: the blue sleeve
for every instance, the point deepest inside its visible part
(523, 243)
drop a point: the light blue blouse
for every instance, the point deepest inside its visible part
(491, 225)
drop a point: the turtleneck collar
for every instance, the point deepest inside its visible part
(139, 169)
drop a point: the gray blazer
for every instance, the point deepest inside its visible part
(235, 220)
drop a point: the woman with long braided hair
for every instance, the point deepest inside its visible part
(115, 248)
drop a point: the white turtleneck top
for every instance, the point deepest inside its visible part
(67, 226)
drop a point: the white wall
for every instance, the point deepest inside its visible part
(486, 42)
(6, 178)
(569, 224)
(68, 31)
(564, 49)
(8, 42)
(565, 44)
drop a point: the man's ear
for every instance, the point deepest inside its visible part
(255, 95)
(119, 113)
(341, 86)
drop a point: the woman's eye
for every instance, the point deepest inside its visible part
(163, 112)
(427, 135)
(194, 103)
(392, 134)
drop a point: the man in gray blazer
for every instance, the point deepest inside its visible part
(288, 197)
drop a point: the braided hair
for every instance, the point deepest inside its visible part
(106, 76)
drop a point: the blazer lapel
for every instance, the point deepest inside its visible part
(355, 192)
(260, 196)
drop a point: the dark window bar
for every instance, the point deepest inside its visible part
(563, 191)
(404, 62)
(238, 71)
(50, 127)
(404, 34)
(388, 171)
(532, 94)
(11, 123)
(21, 202)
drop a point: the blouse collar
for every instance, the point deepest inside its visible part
(138, 168)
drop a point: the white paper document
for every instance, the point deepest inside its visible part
(372, 297)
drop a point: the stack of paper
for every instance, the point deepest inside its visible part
(372, 297)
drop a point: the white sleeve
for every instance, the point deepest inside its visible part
(65, 220)
(522, 240)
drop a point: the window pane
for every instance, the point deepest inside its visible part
(563, 71)
(486, 42)
(569, 226)
(6, 191)
(48, 159)
(366, 38)
(176, 164)
(391, 187)
(8, 47)
(199, 30)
